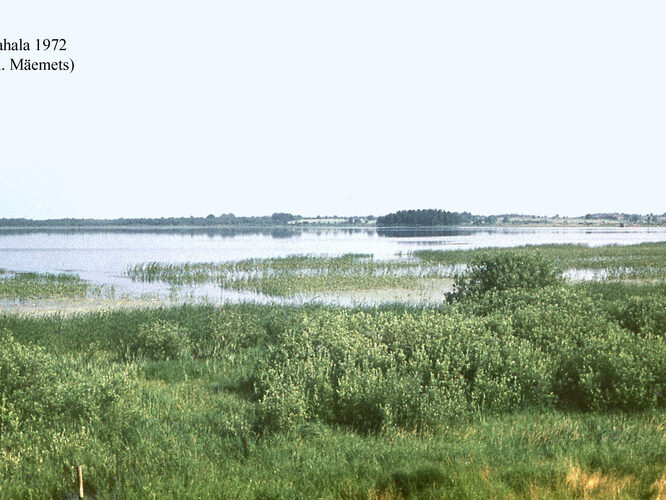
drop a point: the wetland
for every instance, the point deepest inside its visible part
(334, 364)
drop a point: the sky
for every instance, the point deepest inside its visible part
(334, 107)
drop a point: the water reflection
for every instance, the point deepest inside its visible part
(298, 232)
(424, 232)
(194, 231)
(273, 232)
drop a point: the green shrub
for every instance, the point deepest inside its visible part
(619, 371)
(414, 371)
(508, 374)
(494, 272)
(283, 405)
(35, 385)
(644, 315)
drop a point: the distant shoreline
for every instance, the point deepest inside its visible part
(306, 227)
(406, 219)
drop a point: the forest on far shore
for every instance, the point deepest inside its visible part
(403, 218)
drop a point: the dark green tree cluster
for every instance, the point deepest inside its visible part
(283, 218)
(430, 217)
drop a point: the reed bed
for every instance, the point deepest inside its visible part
(303, 274)
(24, 286)
(296, 274)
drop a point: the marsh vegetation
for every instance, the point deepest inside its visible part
(297, 274)
(415, 271)
(645, 261)
(523, 384)
(24, 286)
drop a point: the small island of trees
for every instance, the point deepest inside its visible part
(430, 217)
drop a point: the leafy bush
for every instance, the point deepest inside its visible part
(421, 370)
(495, 272)
(35, 385)
(416, 371)
(644, 315)
(618, 371)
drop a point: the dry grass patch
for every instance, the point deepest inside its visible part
(598, 485)
(659, 487)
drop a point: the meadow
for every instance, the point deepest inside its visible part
(521, 385)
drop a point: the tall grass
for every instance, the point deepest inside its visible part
(292, 275)
(44, 285)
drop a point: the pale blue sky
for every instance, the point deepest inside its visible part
(338, 107)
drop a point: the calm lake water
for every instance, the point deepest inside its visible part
(102, 256)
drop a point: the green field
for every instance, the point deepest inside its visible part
(523, 385)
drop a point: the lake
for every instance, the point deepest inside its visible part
(102, 256)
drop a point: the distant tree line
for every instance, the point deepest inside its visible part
(406, 218)
(210, 220)
(625, 217)
(430, 217)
